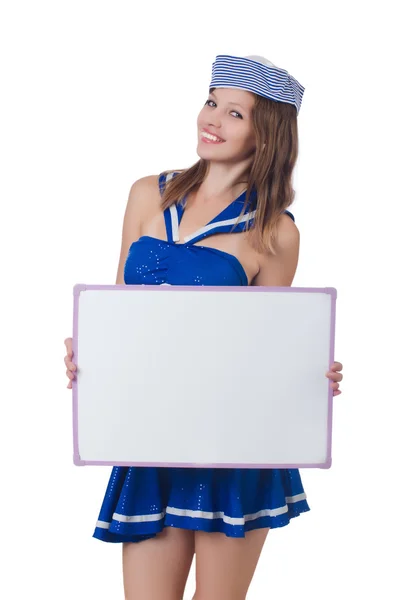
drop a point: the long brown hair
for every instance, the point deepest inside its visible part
(276, 133)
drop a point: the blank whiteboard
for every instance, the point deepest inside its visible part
(203, 376)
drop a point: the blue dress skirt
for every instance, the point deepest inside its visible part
(141, 501)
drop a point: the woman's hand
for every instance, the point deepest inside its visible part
(335, 376)
(70, 366)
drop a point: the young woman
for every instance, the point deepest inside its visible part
(224, 221)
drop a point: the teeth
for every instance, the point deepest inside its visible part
(211, 137)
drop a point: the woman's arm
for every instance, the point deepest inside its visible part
(140, 201)
(279, 270)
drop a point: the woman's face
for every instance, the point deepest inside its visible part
(227, 115)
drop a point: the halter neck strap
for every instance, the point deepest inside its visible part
(229, 220)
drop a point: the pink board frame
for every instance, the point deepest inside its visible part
(78, 288)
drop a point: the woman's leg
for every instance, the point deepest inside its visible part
(157, 569)
(225, 566)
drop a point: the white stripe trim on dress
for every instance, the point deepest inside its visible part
(138, 518)
(206, 228)
(200, 514)
(103, 524)
(174, 223)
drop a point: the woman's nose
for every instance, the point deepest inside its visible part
(215, 119)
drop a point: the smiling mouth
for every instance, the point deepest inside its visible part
(209, 137)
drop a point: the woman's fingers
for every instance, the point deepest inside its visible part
(67, 359)
(70, 374)
(337, 366)
(69, 346)
(70, 365)
(334, 376)
(71, 368)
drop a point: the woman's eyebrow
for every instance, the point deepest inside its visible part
(237, 104)
(234, 103)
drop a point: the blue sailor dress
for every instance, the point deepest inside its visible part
(140, 501)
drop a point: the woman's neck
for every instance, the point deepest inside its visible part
(225, 180)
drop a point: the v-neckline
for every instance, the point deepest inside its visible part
(180, 210)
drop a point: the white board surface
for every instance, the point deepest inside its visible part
(199, 376)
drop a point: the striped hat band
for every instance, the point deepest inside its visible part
(258, 75)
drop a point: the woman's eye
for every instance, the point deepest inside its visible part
(211, 103)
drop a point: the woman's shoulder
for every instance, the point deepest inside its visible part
(153, 182)
(146, 183)
(287, 233)
(145, 193)
(143, 198)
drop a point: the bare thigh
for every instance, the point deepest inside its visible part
(225, 566)
(157, 569)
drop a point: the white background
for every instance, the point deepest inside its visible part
(97, 94)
